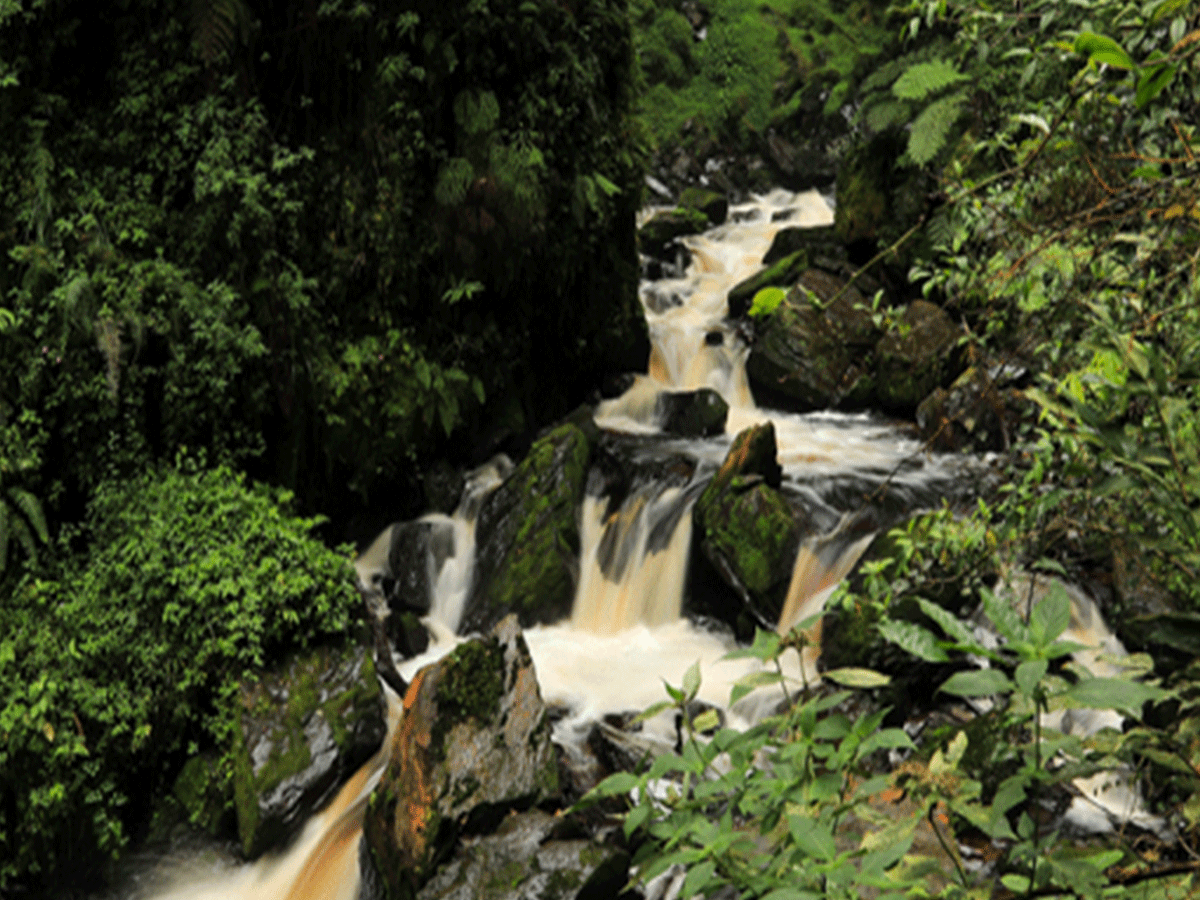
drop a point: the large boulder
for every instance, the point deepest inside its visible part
(812, 352)
(526, 859)
(747, 531)
(980, 411)
(301, 730)
(527, 535)
(663, 228)
(915, 356)
(473, 745)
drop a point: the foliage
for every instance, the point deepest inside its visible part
(309, 240)
(793, 807)
(113, 672)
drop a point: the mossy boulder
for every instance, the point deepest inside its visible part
(915, 356)
(528, 859)
(745, 528)
(657, 235)
(813, 351)
(820, 242)
(699, 413)
(527, 535)
(714, 205)
(782, 273)
(473, 745)
(302, 729)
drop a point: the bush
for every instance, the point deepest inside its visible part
(113, 673)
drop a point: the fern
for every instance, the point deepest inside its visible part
(218, 26)
(476, 112)
(932, 126)
(882, 115)
(921, 80)
(15, 528)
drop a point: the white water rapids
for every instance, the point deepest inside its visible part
(627, 633)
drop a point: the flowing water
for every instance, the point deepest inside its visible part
(627, 633)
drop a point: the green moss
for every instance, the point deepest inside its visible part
(507, 878)
(471, 686)
(561, 883)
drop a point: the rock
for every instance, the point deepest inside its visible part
(715, 206)
(406, 634)
(527, 535)
(413, 560)
(655, 237)
(977, 412)
(914, 358)
(814, 355)
(473, 745)
(443, 485)
(699, 413)
(820, 243)
(524, 860)
(301, 730)
(745, 528)
(783, 273)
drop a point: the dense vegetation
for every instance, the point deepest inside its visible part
(327, 243)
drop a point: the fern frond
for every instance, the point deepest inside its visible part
(882, 115)
(32, 510)
(218, 26)
(476, 112)
(932, 126)
(921, 80)
(3, 535)
(21, 532)
(453, 181)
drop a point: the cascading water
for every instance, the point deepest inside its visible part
(626, 633)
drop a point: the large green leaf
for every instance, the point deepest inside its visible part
(1113, 693)
(980, 683)
(914, 639)
(1103, 49)
(923, 79)
(932, 126)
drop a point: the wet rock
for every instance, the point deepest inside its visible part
(473, 745)
(914, 358)
(527, 535)
(699, 413)
(978, 412)
(524, 860)
(412, 563)
(657, 236)
(820, 243)
(746, 530)
(302, 730)
(715, 206)
(443, 485)
(406, 634)
(813, 351)
(783, 273)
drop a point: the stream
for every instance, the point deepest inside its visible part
(627, 632)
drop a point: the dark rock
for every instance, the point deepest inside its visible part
(746, 530)
(813, 351)
(523, 860)
(977, 412)
(412, 567)
(699, 413)
(715, 206)
(527, 536)
(714, 338)
(473, 744)
(301, 731)
(914, 358)
(820, 243)
(656, 237)
(783, 273)
(407, 635)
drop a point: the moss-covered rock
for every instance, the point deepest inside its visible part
(527, 536)
(526, 859)
(782, 273)
(302, 729)
(820, 242)
(657, 234)
(813, 351)
(915, 356)
(746, 529)
(473, 744)
(714, 205)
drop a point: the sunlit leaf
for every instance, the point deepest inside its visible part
(980, 683)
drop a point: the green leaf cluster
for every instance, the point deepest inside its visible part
(112, 674)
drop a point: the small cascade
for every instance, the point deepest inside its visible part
(322, 862)
(633, 562)
(452, 560)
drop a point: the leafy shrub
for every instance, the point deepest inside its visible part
(112, 674)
